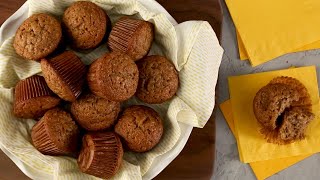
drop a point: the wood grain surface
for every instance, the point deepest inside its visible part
(196, 161)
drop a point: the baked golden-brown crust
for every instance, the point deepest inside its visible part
(65, 75)
(131, 36)
(284, 110)
(86, 24)
(56, 133)
(95, 113)
(37, 37)
(271, 101)
(101, 154)
(158, 79)
(114, 76)
(33, 98)
(141, 128)
(304, 96)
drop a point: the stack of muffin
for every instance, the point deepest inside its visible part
(95, 92)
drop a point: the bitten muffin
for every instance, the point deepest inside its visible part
(140, 127)
(95, 113)
(284, 109)
(131, 36)
(158, 79)
(33, 98)
(56, 133)
(101, 154)
(271, 101)
(37, 37)
(114, 76)
(86, 24)
(65, 75)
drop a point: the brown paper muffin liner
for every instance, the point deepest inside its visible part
(32, 87)
(71, 70)
(42, 140)
(304, 99)
(101, 154)
(122, 32)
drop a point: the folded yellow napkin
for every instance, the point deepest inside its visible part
(262, 169)
(251, 143)
(269, 29)
(244, 55)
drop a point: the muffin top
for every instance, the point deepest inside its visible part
(304, 96)
(114, 76)
(271, 101)
(140, 127)
(37, 36)
(85, 23)
(158, 79)
(95, 113)
(62, 129)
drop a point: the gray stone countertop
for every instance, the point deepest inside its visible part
(227, 165)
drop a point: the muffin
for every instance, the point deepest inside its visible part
(101, 154)
(56, 133)
(284, 110)
(85, 24)
(271, 101)
(131, 36)
(140, 127)
(95, 113)
(114, 76)
(65, 75)
(158, 79)
(37, 37)
(33, 98)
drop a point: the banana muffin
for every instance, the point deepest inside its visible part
(85, 24)
(65, 75)
(158, 79)
(113, 76)
(101, 154)
(131, 36)
(95, 113)
(33, 98)
(284, 109)
(37, 37)
(56, 133)
(140, 127)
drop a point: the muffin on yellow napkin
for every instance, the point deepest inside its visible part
(251, 143)
(262, 169)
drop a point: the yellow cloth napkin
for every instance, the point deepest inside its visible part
(244, 55)
(262, 169)
(251, 143)
(269, 29)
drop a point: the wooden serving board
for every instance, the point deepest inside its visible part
(196, 161)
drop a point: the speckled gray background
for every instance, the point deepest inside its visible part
(227, 165)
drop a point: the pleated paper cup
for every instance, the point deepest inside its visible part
(101, 154)
(33, 98)
(65, 75)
